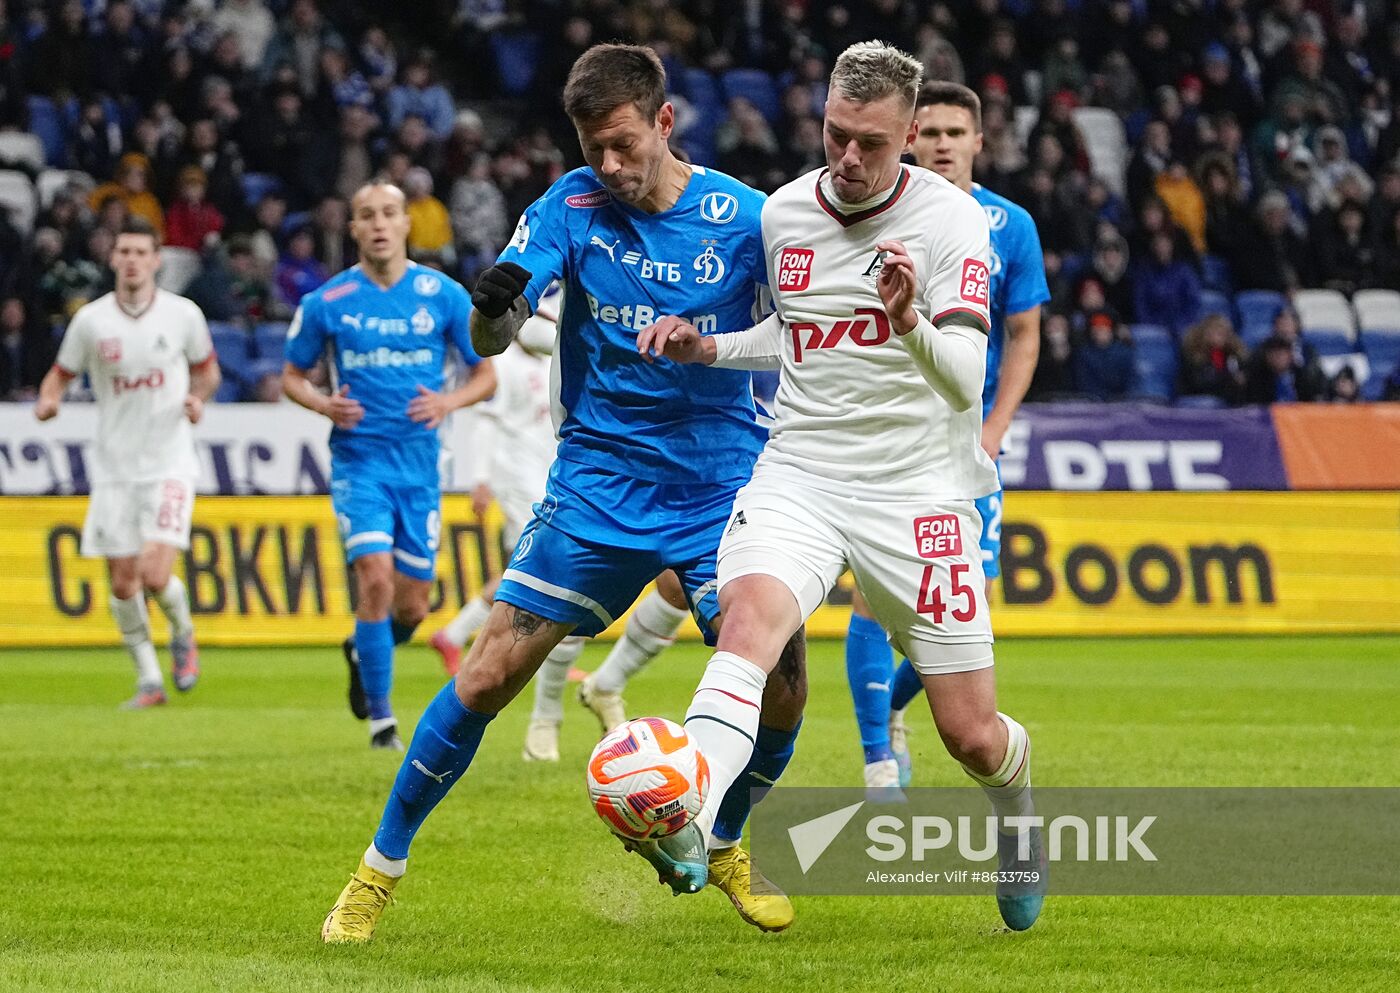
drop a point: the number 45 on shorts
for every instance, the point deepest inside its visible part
(939, 537)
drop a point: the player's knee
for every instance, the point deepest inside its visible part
(977, 744)
(488, 678)
(155, 580)
(125, 587)
(410, 615)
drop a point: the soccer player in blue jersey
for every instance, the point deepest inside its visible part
(949, 116)
(650, 454)
(385, 325)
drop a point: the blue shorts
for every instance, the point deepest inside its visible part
(379, 515)
(989, 507)
(597, 539)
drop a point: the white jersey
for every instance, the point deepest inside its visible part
(514, 440)
(139, 368)
(852, 405)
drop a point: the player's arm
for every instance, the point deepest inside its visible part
(51, 392)
(72, 359)
(754, 349)
(952, 356)
(205, 378)
(430, 409)
(306, 339)
(1020, 353)
(498, 307)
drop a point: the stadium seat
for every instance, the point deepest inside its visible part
(230, 390)
(755, 86)
(1324, 309)
(1155, 362)
(51, 182)
(231, 342)
(1215, 302)
(1329, 341)
(46, 121)
(21, 150)
(17, 196)
(257, 185)
(701, 89)
(1382, 351)
(1215, 274)
(178, 266)
(1257, 309)
(517, 55)
(270, 341)
(1377, 311)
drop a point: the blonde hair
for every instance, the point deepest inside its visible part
(872, 70)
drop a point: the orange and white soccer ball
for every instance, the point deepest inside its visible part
(646, 778)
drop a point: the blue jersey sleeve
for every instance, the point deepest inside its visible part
(459, 305)
(306, 335)
(540, 245)
(1025, 267)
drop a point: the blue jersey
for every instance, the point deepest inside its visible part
(384, 344)
(1018, 275)
(622, 269)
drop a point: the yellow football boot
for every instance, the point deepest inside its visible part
(756, 898)
(357, 911)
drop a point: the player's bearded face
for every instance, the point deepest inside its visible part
(135, 259)
(864, 142)
(948, 141)
(626, 151)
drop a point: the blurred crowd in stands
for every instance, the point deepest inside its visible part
(1194, 166)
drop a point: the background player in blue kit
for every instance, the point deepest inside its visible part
(386, 324)
(949, 116)
(650, 455)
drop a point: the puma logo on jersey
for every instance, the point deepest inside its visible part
(610, 249)
(352, 319)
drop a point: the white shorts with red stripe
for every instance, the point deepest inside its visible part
(123, 517)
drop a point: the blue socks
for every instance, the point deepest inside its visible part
(772, 751)
(443, 746)
(870, 671)
(374, 643)
(907, 685)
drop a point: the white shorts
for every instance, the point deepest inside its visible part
(917, 562)
(123, 517)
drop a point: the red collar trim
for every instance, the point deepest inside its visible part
(846, 220)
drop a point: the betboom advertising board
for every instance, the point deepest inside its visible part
(269, 570)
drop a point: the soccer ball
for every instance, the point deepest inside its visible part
(647, 779)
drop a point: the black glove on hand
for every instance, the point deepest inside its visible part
(498, 288)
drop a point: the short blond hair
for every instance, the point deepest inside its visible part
(873, 70)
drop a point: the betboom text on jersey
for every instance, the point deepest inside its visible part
(638, 315)
(383, 357)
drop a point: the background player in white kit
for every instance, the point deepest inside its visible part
(152, 367)
(880, 275)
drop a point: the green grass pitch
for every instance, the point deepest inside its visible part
(197, 848)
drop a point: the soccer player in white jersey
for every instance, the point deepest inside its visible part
(880, 275)
(152, 367)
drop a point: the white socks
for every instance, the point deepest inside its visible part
(135, 627)
(382, 863)
(552, 678)
(176, 606)
(467, 622)
(650, 629)
(723, 722)
(1009, 788)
